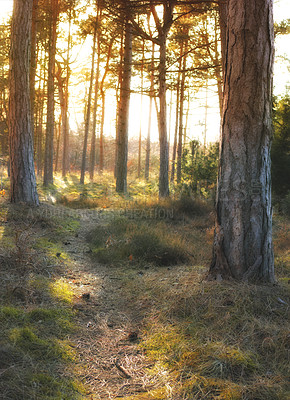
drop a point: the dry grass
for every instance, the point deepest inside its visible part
(194, 339)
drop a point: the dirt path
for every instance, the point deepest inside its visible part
(109, 324)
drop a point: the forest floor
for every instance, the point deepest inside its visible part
(86, 313)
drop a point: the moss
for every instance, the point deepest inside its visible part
(61, 290)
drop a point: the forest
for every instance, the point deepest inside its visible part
(145, 200)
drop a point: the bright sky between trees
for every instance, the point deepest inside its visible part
(197, 113)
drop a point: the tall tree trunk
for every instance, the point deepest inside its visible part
(58, 135)
(101, 144)
(88, 113)
(163, 170)
(181, 108)
(33, 60)
(223, 15)
(123, 115)
(243, 234)
(22, 176)
(121, 54)
(40, 112)
(103, 96)
(93, 141)
(65, 127)
(48, 157)
(141, 109)
(148, 140)
(176, 123)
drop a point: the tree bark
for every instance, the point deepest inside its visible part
(97, 78)
(181, 107)
(148, 140)
(163, 171)
(48, 157)
(22, 177)
(33, 60)
(223, 15)
(176, 123)
(123, 117)
(243, 234)
(141, 109)
(65, 127)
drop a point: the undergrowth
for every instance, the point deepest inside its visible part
(37, 357)
(125, 240)
(202, 340)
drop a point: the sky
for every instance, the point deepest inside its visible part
(197, 112)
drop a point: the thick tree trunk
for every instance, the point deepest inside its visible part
(22, 177)
(243, 234)
(48, 157)
(123, 116)
(33, 60)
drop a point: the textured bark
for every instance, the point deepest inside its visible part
(48, 157)
(22, 178)
(33, 60)
(123, 117)
(243, 234)
(223, 14)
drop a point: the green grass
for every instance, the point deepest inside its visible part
(202, 340)
(37, 358)
(35, 354)
(125, 240)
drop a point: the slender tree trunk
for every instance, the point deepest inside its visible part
(141, 109)
(58, 135)
(65, 128)
(181, 109)
(22, 176)
(148, 140)
(40, 120)
(93, 141)
(123, 115)
(243, 234)
(101, 144)
(176, 124)
(121, 53)
(163, 171)
(88, 113)
(48, 157)
(103, 96)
